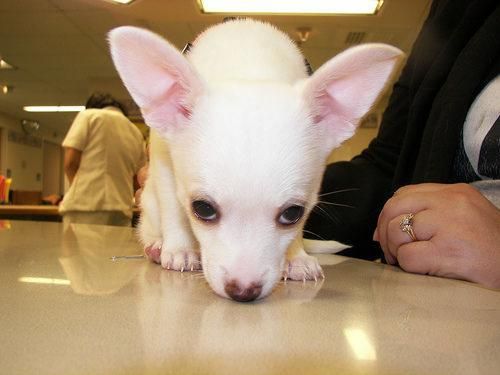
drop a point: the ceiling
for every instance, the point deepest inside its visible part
(61, 55)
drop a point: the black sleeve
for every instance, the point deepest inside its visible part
(353, 192)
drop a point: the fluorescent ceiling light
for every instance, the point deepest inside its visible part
(291, 6)
(126, 2)
(44, 280)
(5, 65)
(54, 108)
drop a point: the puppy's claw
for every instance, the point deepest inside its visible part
(304, 268)
(182, 261)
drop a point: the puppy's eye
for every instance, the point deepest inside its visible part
(204, 210)
(291, 215)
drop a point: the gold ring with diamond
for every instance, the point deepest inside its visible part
(406, 226)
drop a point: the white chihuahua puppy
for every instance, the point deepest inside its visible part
(239, 141)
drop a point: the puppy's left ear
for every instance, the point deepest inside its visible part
(344, 89)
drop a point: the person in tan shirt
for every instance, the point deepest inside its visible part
(103, 152)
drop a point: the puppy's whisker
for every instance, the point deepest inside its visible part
(325, 213)
(198, 276)
(336, 204)
(338, 191)
(314, 234)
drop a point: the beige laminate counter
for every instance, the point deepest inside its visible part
(67, 308)
(34, 210)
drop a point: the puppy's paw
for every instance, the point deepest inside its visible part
(153, 252)
(303, 267)
(183, 260)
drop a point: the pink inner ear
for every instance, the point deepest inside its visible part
(159, 82)
(343, 90)
(163, 110)
(335, 117)
(158, 77)
(352, 96)
(185, 111)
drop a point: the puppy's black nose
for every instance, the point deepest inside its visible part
(242, 293)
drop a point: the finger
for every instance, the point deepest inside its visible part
(422, 228)
(389, 258)
(387, 255)
(419, 257)
(402, 205)
(394, 238)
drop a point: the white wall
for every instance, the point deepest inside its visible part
(25, 162)
(26, 166)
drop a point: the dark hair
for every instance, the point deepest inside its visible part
(101, 100)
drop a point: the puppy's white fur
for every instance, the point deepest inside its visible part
(239, 123)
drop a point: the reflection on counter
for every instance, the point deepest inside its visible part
(360, 343)
(42, 212)
(186, 326)
(80, 312)
(4, 224)
(86, 252)
(43, 280)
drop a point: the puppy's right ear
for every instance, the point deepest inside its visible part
(159, 78)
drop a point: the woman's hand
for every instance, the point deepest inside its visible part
(457, 232)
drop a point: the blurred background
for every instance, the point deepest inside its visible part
(54, 53)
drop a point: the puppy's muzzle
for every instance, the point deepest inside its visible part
(242, 293)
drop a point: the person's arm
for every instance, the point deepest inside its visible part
(72, 158)
(75, 142)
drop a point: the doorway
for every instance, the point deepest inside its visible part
(52, 169)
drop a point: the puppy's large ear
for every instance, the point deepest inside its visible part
(344, 89)
(159, 78)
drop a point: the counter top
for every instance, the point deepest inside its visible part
(67, 307)
(32, 209)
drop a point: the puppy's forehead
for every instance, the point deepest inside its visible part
(251, 111)
(254, 141)
(254, 98)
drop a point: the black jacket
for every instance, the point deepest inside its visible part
(455, 55)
